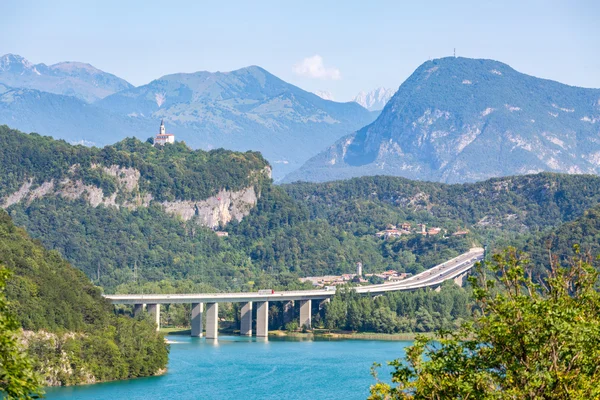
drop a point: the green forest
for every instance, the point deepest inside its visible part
(65, 317)
(166, 172)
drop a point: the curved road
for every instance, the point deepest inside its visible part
(432, 277)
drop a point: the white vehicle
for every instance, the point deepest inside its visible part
(329, 287)
(266, 291)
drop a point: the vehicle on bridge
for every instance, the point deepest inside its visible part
(266, 291)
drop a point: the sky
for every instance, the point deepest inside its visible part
(341, 47)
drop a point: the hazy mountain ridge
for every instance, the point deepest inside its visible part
(75, 79)
(463, 120)
(244, 109)
(65, 117)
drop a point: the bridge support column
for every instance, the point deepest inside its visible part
(197, 311)
(137, 309)
(288, 312)
(459, 280)
(246, 319)
(154, 310)
(262, 319)
(323, 303)
(305, 306)
(212, 320)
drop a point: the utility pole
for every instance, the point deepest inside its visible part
(455, 52)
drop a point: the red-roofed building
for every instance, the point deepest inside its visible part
(163, 138)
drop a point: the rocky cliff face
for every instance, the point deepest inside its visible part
(56, 366)
(217, 210)
(464, 120)
(212, 212)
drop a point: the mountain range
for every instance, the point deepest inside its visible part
(375, 99)
(452, 120)
(68, 78)
(246, 109)
(465, 120)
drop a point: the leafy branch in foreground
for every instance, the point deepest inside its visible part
(526, 341)
(17, 379)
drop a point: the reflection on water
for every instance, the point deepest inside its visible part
(234, 367)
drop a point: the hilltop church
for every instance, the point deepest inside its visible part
(162, 137)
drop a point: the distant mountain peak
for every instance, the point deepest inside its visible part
(374, 100)
(325, 95)
(71, 78)
(71, 66)
(16, 63)
(463, 120)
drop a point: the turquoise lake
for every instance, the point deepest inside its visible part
(249, 368)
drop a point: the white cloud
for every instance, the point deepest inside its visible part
(313, 67)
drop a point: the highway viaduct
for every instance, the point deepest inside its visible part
(455, 269)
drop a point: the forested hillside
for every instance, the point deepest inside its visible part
(520, 203)
(559, 242)
(293, 230)
(70, 330)
(173, 172)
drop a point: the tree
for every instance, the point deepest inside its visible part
(527, 340)
(335, 312)
(17, 379)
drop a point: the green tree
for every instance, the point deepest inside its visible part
(17, 379)
(527, 340)
(335, 312)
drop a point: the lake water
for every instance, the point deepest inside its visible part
(249, 368)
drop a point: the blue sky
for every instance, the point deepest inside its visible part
(342, 47)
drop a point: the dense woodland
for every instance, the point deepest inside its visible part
(167, 172)
(418, 311)
(72, 320)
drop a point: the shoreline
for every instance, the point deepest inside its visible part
(320, 334)
(160, 372)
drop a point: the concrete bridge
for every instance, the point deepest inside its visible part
(455, 268)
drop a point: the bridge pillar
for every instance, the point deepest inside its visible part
(246, 319)
(305, 306)
(154, 310)
(459, 280)
(288, 312)
(197, 311)
(137, 309)
(262, 319)
(324, 302)
(212, 320)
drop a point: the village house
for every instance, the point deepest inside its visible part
(392, 233)
(434, 231)
(460, 233)
(399, 277)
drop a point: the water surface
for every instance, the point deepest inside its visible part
(249, 368)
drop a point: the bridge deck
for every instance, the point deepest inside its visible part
(432, 277)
